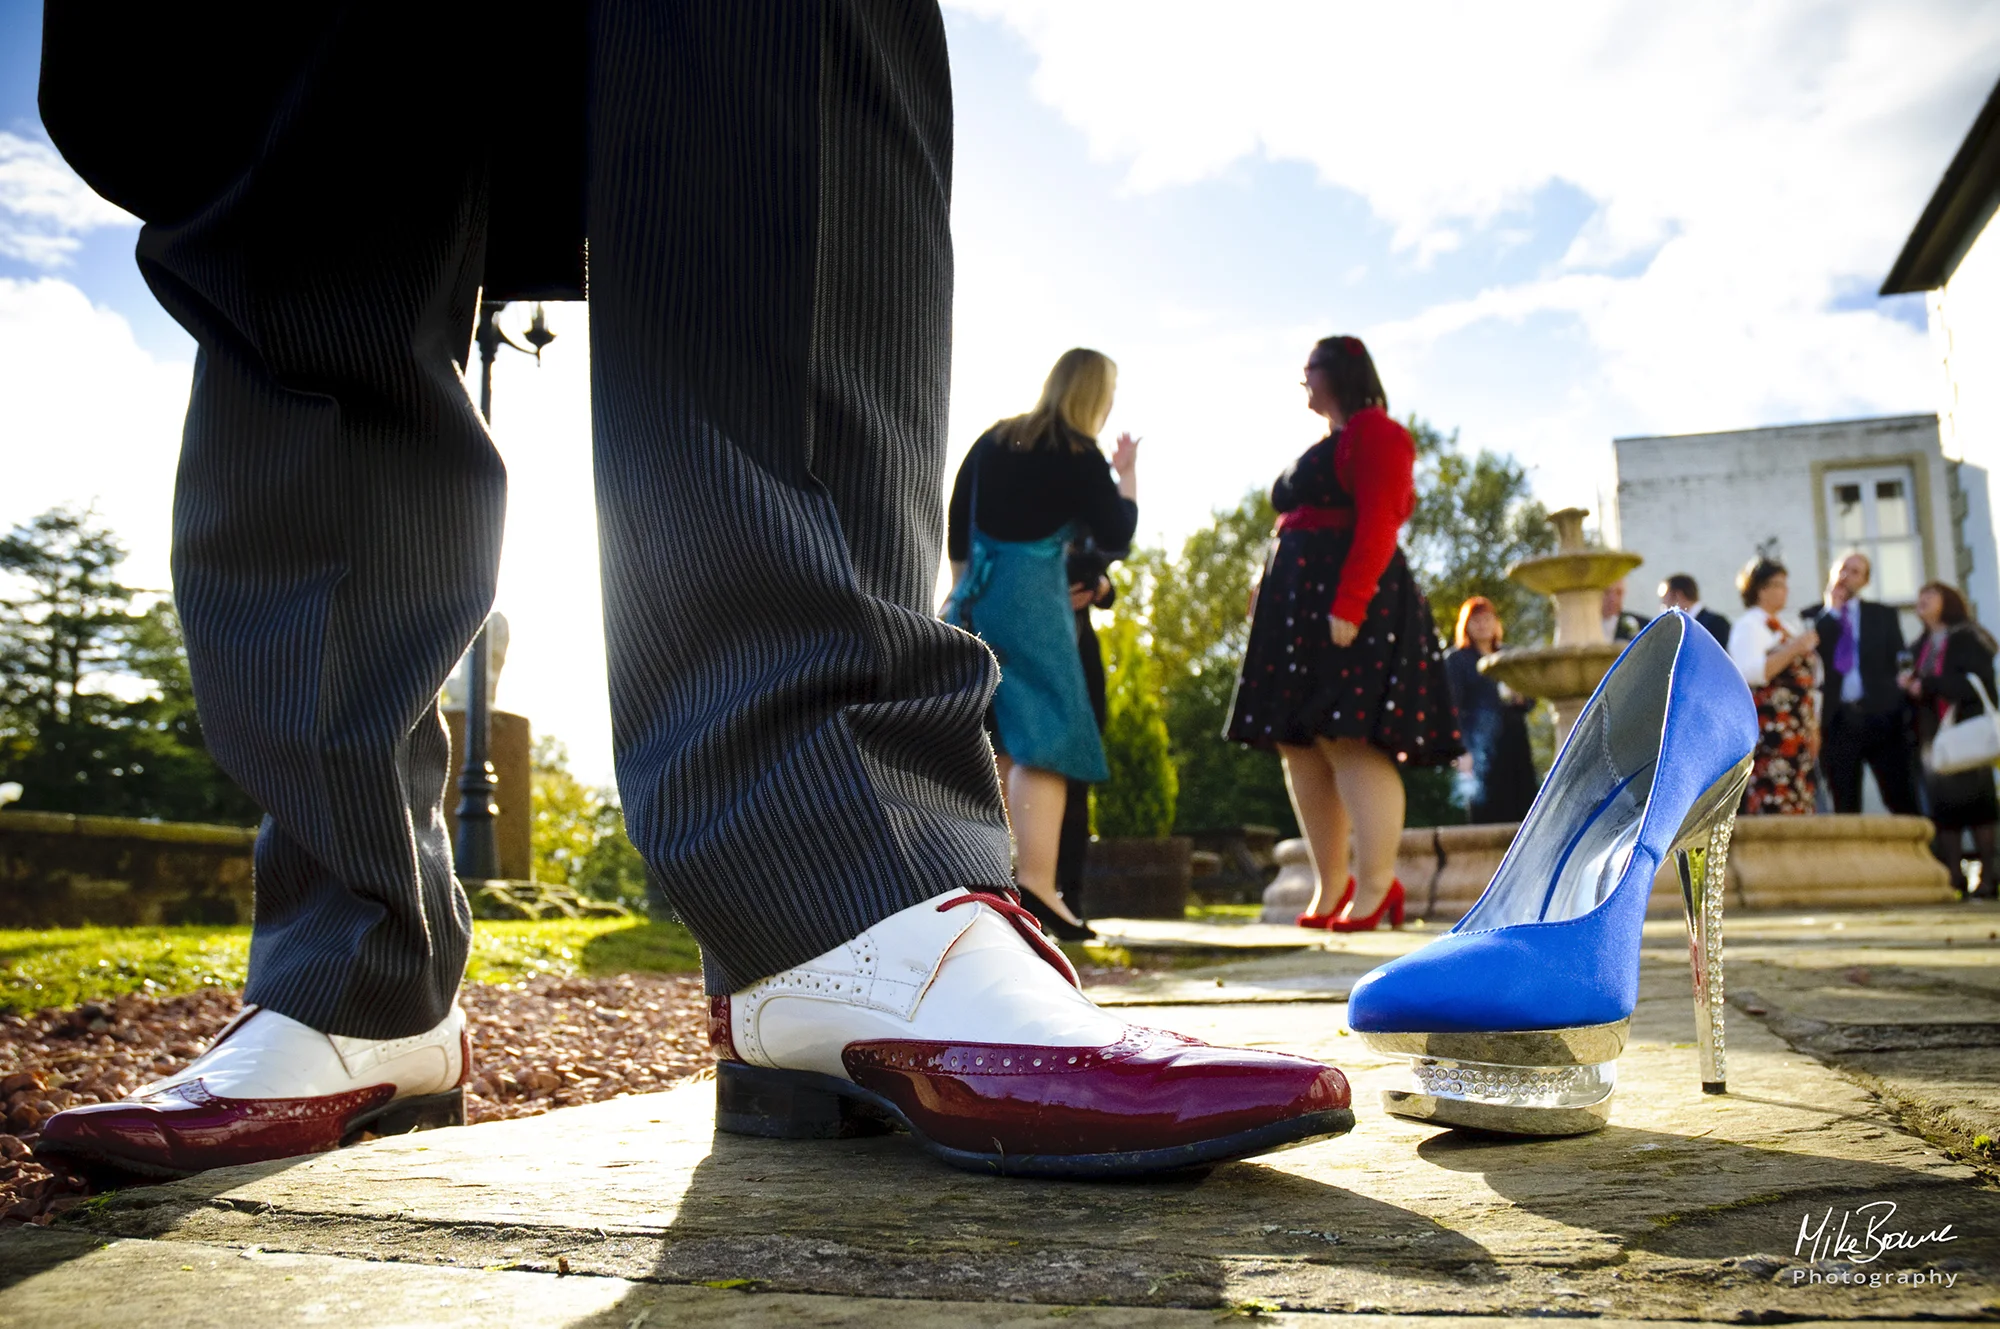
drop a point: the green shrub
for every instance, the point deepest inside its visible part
(63, 966)
(1139, 797)
(578, 834)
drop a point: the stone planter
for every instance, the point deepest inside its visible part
(58, 870)
(1244, 866)
(1292, 889)
(1851, 862)
(1138, 877)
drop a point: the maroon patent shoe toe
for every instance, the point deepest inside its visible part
(1151, 1103)
(184, 1129)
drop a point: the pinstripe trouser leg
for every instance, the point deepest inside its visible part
(338, 511)
(799, 744)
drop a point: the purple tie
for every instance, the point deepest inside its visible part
(1847, 651)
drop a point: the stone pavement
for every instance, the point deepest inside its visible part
(1864, 1071)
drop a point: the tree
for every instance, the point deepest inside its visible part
(1193, 612)
(1139, 797)
(578, 833)
(1475, 517)
(96, 707)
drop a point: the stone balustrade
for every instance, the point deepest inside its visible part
(1829, 862)
(58, 870)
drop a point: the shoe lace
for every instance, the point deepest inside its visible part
(1006, 902)
(1008, 905)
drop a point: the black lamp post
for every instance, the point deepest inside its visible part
(476, 856)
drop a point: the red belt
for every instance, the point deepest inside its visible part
(1316, 519)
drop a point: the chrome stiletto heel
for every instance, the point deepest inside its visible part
(1514, 1020)
(1704, 874)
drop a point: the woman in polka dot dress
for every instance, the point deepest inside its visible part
(1344, 675)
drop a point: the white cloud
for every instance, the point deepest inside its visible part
(92, 419)
(1744, 164)
(44, 207)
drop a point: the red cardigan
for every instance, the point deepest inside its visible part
(1375, 460)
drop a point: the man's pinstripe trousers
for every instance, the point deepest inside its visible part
(798, 741)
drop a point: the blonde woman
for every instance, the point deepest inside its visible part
(1029, 486)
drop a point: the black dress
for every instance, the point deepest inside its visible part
(1388, 687)
(1495, 732)
(1087, 563)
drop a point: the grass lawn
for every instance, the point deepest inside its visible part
(1223, 913)
(64, 966)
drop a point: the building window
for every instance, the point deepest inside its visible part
(1873, 510)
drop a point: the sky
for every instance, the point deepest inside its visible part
(1555, 224)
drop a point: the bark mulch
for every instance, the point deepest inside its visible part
(548, 1043)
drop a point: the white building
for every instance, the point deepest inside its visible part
(1706, 504)
(1953, 255)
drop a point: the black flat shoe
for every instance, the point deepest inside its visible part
(1053, 923)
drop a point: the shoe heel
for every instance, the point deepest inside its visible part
(419, 1112)
(788, 1105)
(1701, 856)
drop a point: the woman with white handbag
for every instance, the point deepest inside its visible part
(1958, 731)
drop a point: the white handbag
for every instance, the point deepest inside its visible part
(1969, 743)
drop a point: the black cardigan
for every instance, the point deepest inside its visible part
(1968, 652)
(1028, 495)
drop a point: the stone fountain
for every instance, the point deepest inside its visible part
(1575, 577)
(1776, 863)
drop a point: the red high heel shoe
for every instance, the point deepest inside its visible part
(1325, 920)
(1392, 905)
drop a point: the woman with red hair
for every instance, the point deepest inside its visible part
(1497, 772)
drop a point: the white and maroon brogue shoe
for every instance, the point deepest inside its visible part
(270, 1087)
(959, 1021)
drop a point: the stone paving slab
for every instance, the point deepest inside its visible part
(1689, 1207)
(1322, 969)
(165, 1284)
(1172, 937)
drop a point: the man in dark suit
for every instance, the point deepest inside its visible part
(1620, 623)
(798, 739)
(1862, 713)
(1681, 592)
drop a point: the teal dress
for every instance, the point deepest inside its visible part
(1014, 596)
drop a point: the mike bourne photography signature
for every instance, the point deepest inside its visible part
(1863, 1235)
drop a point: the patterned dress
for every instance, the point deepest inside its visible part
(1784, 777)
(1342, 503)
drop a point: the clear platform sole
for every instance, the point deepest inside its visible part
(1556, 1082)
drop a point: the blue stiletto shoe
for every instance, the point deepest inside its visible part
(1513, 1020)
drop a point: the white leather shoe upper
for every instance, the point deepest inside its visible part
(961, 975)
(262, 1054)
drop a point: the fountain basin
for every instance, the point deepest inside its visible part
(1556, 672)
(1574, 570)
